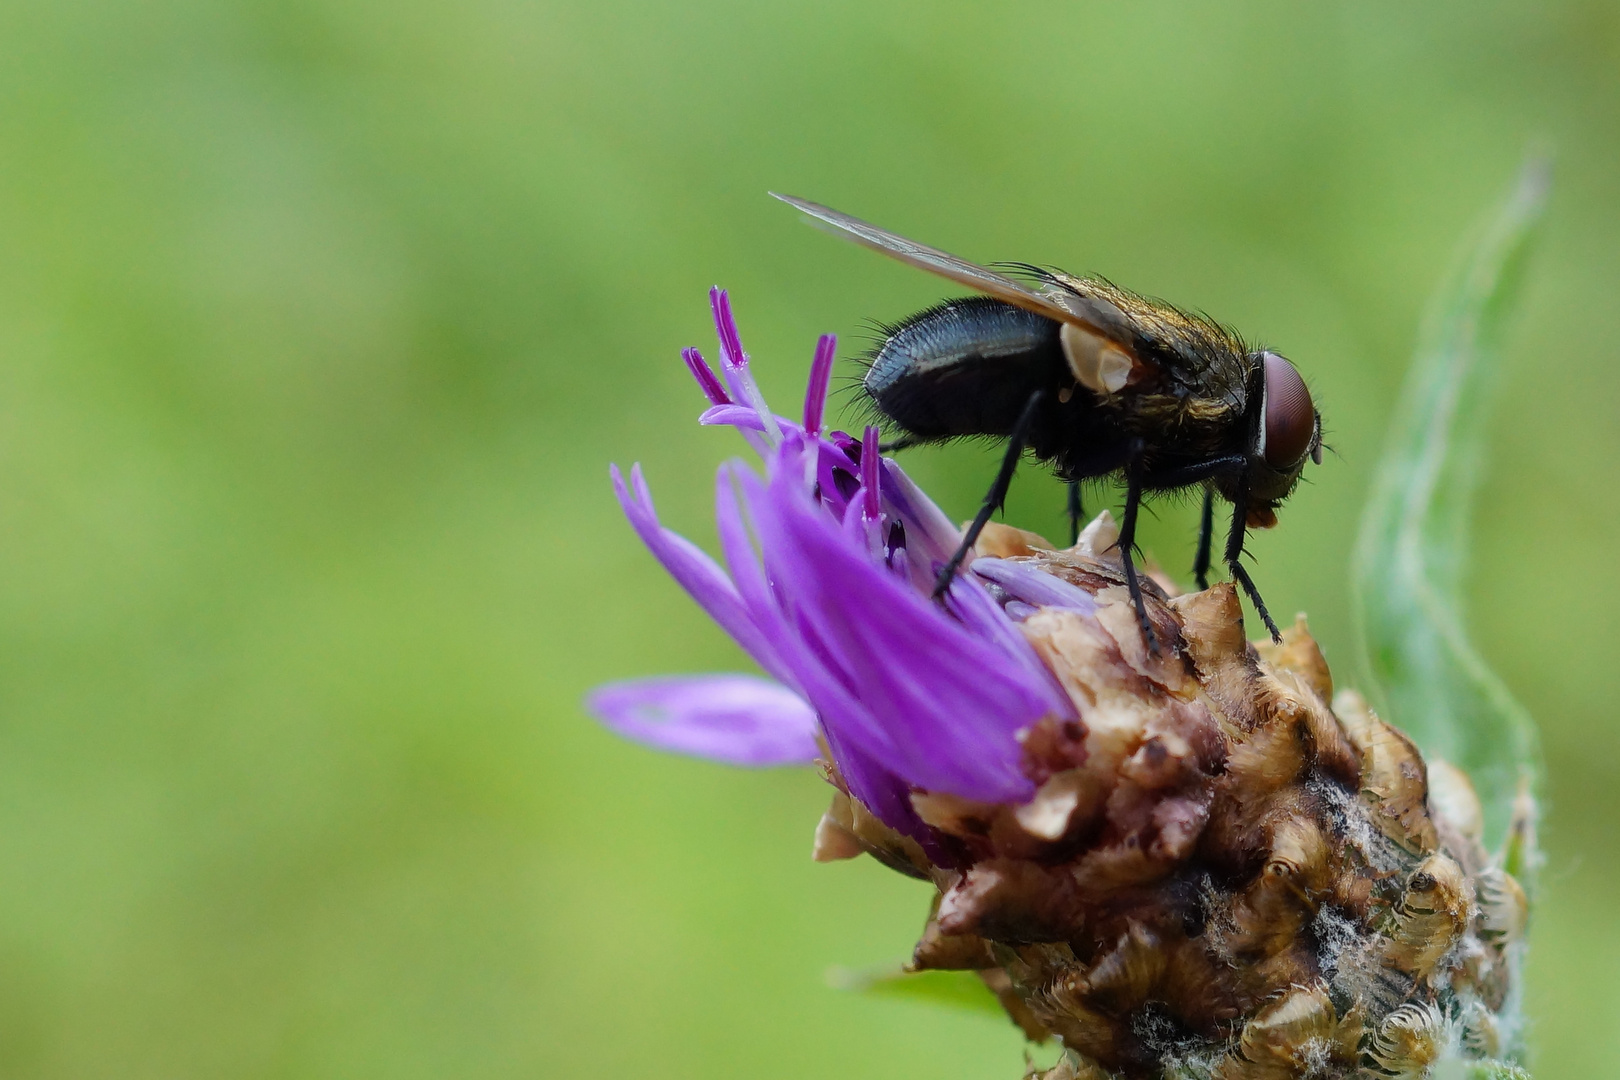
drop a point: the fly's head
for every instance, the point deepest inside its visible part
(1284, 431)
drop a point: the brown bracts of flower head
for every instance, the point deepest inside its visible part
(1224, 864)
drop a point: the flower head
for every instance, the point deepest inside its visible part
(1196, 861)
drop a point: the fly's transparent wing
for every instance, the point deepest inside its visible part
(1063, 304)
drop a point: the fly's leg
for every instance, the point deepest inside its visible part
(1127, 542)
(1234, 552)
(904, 442)
(1206, 527)
(995, 496)
(1229, 465)
(1077, 512)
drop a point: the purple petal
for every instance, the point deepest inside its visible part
(1034, 586)
(815, 394)
(838, 477)
(888, 797)
(692, 569)
(740, 416)
(929, 533)
(725, 326)
(748, 573)
(950, 702)
(979, 612)
(871, 466)
(735, 363)
(857, 526)
(705, 377)
(731, 415)
(737, 719)
(806, 665)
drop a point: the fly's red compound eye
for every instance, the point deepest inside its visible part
(1290, 416)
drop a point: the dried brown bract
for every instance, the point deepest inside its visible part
(1227, 870)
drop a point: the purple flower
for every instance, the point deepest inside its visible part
(829, 560)
(738, 719)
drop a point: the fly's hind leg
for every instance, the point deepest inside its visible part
(994, 497)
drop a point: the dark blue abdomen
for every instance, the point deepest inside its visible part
(966, 367)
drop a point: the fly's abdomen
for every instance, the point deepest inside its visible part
(966, 367)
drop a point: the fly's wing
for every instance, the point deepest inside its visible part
(1058, 300)
(1187, 356)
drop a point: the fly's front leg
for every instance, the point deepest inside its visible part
(1206, 528)
(1205, 472)
(1234, 553)
(1077, 512)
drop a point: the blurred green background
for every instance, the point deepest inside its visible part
(320, 321)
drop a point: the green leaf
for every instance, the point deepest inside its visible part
(1412, 552)
(958, 989)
